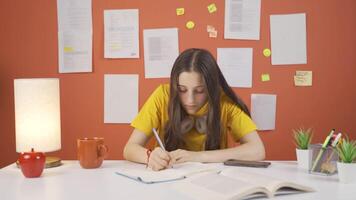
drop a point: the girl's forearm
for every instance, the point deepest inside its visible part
(247, 151)
(135, 153)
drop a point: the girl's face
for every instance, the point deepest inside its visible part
(192, 91)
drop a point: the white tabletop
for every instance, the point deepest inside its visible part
(70, 181)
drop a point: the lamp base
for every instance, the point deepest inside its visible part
(50, 162)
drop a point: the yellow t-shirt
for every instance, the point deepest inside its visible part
(154, 114)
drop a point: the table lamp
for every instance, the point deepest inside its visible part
(37, 123)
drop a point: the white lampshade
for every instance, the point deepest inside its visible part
(37, 114)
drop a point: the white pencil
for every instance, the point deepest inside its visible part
(158, 139)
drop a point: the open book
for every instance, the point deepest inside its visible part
(140, 173)
(235, 183)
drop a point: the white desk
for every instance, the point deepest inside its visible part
(70, 181)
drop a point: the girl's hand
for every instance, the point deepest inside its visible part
(181, 156)
(159, 159)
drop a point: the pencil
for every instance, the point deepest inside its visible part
(158, 139)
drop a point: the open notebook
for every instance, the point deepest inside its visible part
(235, 183)
(140, 173)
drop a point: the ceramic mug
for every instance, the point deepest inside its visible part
(91, 152)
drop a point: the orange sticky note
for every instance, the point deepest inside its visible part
(180, 11)
(265, 77)
(210, 28)
(303, 78)
(212, 8)
(213, 34)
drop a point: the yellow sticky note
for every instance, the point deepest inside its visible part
(212, 8)
(180, 11)
(267, 52)
(190, 25)
(68, 49)
(303, 78)
(265, 77)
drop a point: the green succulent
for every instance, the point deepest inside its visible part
(302, 137)
(346, 150)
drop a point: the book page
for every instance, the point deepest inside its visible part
(273, 185)
(286, 187)
(216, 186)
(178, 171)
(252, 178)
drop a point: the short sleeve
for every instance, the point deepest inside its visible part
(149, 115)
(240, 123)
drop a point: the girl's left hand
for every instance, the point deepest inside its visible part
(181, 156)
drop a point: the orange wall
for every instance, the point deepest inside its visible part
(28, 39)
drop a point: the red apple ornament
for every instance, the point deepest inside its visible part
(32, 163)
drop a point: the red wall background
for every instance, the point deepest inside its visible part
(28, 38)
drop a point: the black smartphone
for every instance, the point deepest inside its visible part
(246, 163)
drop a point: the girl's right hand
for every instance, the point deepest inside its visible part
(159, 159)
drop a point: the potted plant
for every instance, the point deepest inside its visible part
(346, 165)
(302, 140)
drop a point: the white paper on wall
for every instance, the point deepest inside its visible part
(160, 51)
(74, 36)
(236, 65)
(288, 39)
(75, 51)
(242, 19)
(74, 15)
(263, 110)
(120, 98)
(121, 38)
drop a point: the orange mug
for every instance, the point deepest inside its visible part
(91, 152)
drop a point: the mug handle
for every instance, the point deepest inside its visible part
(103, 151)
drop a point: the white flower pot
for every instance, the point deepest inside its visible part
(303, 158)
(346, 172)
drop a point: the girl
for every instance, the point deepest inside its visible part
(193, 115)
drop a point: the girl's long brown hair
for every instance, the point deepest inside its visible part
(201, 61)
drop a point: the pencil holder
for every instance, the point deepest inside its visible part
(323, 160)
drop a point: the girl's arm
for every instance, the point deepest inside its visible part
(136, 152)
(251, 148)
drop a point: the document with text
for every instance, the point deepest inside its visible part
(75, 36)
(160, 51)
(121, 37)
(242, 19)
